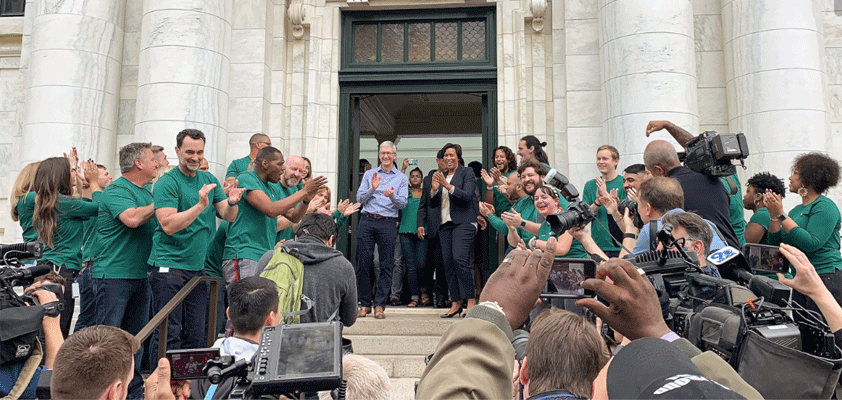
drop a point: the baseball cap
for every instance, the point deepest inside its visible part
(651, 368)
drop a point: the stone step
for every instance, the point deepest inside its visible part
(403, 388)
(368, 345)
(400, 325)
(400, 366)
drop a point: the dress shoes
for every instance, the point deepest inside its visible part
(363, 312)
(378, 312)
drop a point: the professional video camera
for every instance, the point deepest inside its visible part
(578, 213)
(711, 154)
(291, 359)
(20, 316)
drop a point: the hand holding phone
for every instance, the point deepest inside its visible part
(190, 363)
(765, 258)
(566, 277)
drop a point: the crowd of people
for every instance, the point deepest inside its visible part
(125, 247)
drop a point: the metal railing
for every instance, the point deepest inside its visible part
(160, 319)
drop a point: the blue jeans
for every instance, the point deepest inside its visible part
(384, 233)
(186, 324)
(415, 255)
(124, 303)
(87, 299)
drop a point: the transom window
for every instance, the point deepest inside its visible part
(12, 8)
(427, 41)
(418, 39)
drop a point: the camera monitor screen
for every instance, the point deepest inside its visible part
(765, 258)
(566, 277)
(190, 364)
(305, 357)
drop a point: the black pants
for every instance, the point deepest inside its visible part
(456, 242)
(69, 302)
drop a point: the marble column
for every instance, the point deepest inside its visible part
(183, 72)
(648, 70)
(73, 83)
(776, 80)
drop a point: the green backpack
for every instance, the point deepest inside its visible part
(288, 274)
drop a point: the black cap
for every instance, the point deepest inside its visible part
(651, 368)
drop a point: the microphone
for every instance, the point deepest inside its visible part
(732, 264)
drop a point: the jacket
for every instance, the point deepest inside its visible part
(428, 215)
(463, 207)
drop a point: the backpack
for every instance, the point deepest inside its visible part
(288, 274)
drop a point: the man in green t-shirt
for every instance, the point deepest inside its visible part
(124, 230)
(294, 171)
(257, 142)
(186, 204)
(607, 159)
(254, 230)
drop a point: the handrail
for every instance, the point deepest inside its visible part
(160, 319)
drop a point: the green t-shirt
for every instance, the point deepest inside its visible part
(213, 258)
(577, 250)
(124, 250)
(26, 208)
(409, 215)
(817, 234)
(287, 233)
(71, 214)
(341, 222)
(253, 233)
(526, 207)
(185, 248)
(737, 215)
(762, 218)
(600, 235)
(237, 167)
(89, 243)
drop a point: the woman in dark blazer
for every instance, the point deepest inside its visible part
(454, 192)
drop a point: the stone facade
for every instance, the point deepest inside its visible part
(577, 73)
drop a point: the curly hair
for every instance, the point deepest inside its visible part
(511, 160)
(765, 180)
(817, 171)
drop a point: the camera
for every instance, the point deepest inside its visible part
(20, 316)
(578, 213)
(711, 153)
(631, 205)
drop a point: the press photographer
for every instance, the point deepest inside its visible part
(704, 194)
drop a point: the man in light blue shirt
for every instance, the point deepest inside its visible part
(657, 197)
(383, 192)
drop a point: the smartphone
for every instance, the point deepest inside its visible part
(765, 258)
(190, 363)
(413, 161)
(566, 277)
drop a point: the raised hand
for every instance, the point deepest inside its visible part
(486, 209)
(405, 164)
(234, 193)
(495, 173)
(610, 201)
(316, 204)
(72, 158)
(518, 281)
(512, 218)
(600, 187)
(203, 194)
(632, 194)
(352, 208)
(342, 205)
(773, 203)
(437, 180)
(655, 126)
(487, 178)
(375, 181)
(313, 185)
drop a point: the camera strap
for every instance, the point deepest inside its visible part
(653, 235)
(731, 185)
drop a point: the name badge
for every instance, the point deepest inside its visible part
(75, 288)
(163, 270)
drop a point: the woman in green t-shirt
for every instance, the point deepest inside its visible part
(58, 219)
(414, 245)
(756, 186)
(22, 207)
(546, 203)
(505, 164)
(812, 226)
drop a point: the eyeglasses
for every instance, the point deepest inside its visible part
(387, 153)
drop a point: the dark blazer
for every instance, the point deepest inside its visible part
(428, 216)
(463, 209)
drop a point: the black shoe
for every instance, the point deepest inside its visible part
(451, 315)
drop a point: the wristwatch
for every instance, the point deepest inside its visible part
(782, 217)
(523, 223)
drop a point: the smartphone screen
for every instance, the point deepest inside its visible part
(566, 277)
(189, 364)
(765, 258)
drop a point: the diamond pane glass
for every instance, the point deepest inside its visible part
(473, 40)
(392, 42)
(419, 42)
(365, 43)
(446, 41)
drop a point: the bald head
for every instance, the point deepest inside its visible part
(294, 169)
(259, 138)
(660, 154)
